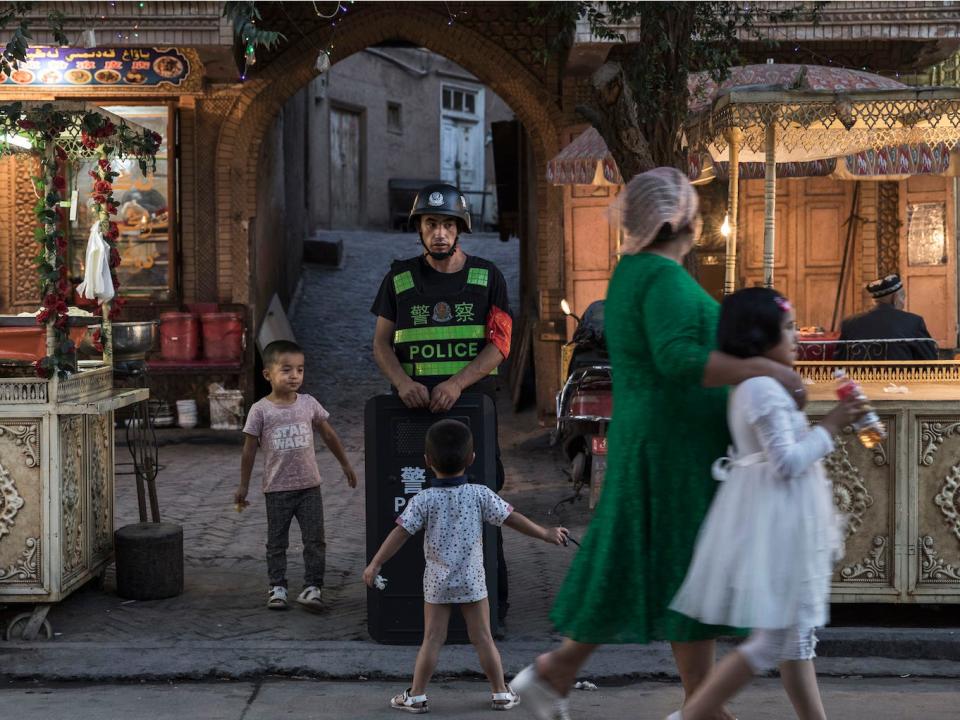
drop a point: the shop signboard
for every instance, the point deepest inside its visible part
(100, 68)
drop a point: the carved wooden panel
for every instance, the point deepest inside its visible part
(865, 490)
(21, 504)
(888, 228)
(938, 498)
(100, 482)
(25, 288)
(73, 494)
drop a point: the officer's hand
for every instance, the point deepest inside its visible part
(414, 395)
(444, 396)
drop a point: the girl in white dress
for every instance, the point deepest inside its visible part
(767, 547)
(452, 513)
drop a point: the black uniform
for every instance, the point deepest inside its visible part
(885, 322)
(440, 327)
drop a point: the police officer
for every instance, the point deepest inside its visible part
(443, 320)
(887, 321)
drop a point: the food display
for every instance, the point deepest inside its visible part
(22, 77)
(108, 77)
(167, 67)
(78, 77)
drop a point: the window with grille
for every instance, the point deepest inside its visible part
(459, 100)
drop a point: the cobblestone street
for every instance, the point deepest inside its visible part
(225, 568)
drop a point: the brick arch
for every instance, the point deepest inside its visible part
(262, 97)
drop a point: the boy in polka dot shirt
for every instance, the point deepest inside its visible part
(453, 512)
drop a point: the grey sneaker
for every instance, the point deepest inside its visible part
(277, 598)
(312, 599)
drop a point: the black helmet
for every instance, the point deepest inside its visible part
(442, 199)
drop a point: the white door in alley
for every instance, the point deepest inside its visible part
(344, 168)
(461, 141)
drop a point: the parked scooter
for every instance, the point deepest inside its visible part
(585, 404)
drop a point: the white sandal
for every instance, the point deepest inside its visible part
(543, 701)
(410, 703)
(505, 700)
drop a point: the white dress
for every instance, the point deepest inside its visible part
(766, 549)
(453, 541)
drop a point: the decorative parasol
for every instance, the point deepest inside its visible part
(585, 161)
(799, 113)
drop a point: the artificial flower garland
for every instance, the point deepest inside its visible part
(55, 286)
(43, 126)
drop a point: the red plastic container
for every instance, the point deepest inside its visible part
(179, 336)
(222, 336)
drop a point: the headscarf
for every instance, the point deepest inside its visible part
(658, 196)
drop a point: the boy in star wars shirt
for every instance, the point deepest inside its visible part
(282, 424)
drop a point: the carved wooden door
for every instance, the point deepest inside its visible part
(591, 242)
(811, 232)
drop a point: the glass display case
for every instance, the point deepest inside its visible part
(145, 218)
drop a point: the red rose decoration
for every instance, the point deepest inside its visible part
(43, 316)
(102, 187)
(61, 243)
(59, 182)
(115, 259)
(40, 369)
(104, 164)
(50, 301)
(26, 125)
(64, 286)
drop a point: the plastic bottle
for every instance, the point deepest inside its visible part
(869, 429)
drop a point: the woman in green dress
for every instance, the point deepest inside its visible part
(669, 425)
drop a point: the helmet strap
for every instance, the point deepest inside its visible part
(438, 255)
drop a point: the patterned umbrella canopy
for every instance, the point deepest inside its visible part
(585, 161)
(817, 112)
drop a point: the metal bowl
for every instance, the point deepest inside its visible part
(131, 340)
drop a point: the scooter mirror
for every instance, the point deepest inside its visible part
(565, 306)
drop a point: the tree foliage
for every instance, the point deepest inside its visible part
(641, 96)
(15, 50)
(244, 16)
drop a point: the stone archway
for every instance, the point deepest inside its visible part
(472, 45)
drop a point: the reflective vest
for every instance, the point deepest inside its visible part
(438, 333)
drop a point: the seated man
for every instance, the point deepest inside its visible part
(886, 322)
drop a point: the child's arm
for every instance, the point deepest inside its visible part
(332, 441)
(395, 540)
(771, 417)
(521, 523)
(247, 459)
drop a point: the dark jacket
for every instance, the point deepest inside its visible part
(885, 322)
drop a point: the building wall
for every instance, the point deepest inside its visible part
(366, 82)
(282, 219)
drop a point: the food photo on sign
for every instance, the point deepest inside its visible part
(76, 67)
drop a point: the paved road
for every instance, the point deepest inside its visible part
(849, 699)
(225, 568)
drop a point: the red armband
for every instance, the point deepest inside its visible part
(500, 330)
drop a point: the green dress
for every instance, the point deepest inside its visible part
(665, 434)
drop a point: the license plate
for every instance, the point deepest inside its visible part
(599, 445)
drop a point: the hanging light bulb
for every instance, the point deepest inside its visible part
(250, 54)
(725, 228)
(323, 62)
